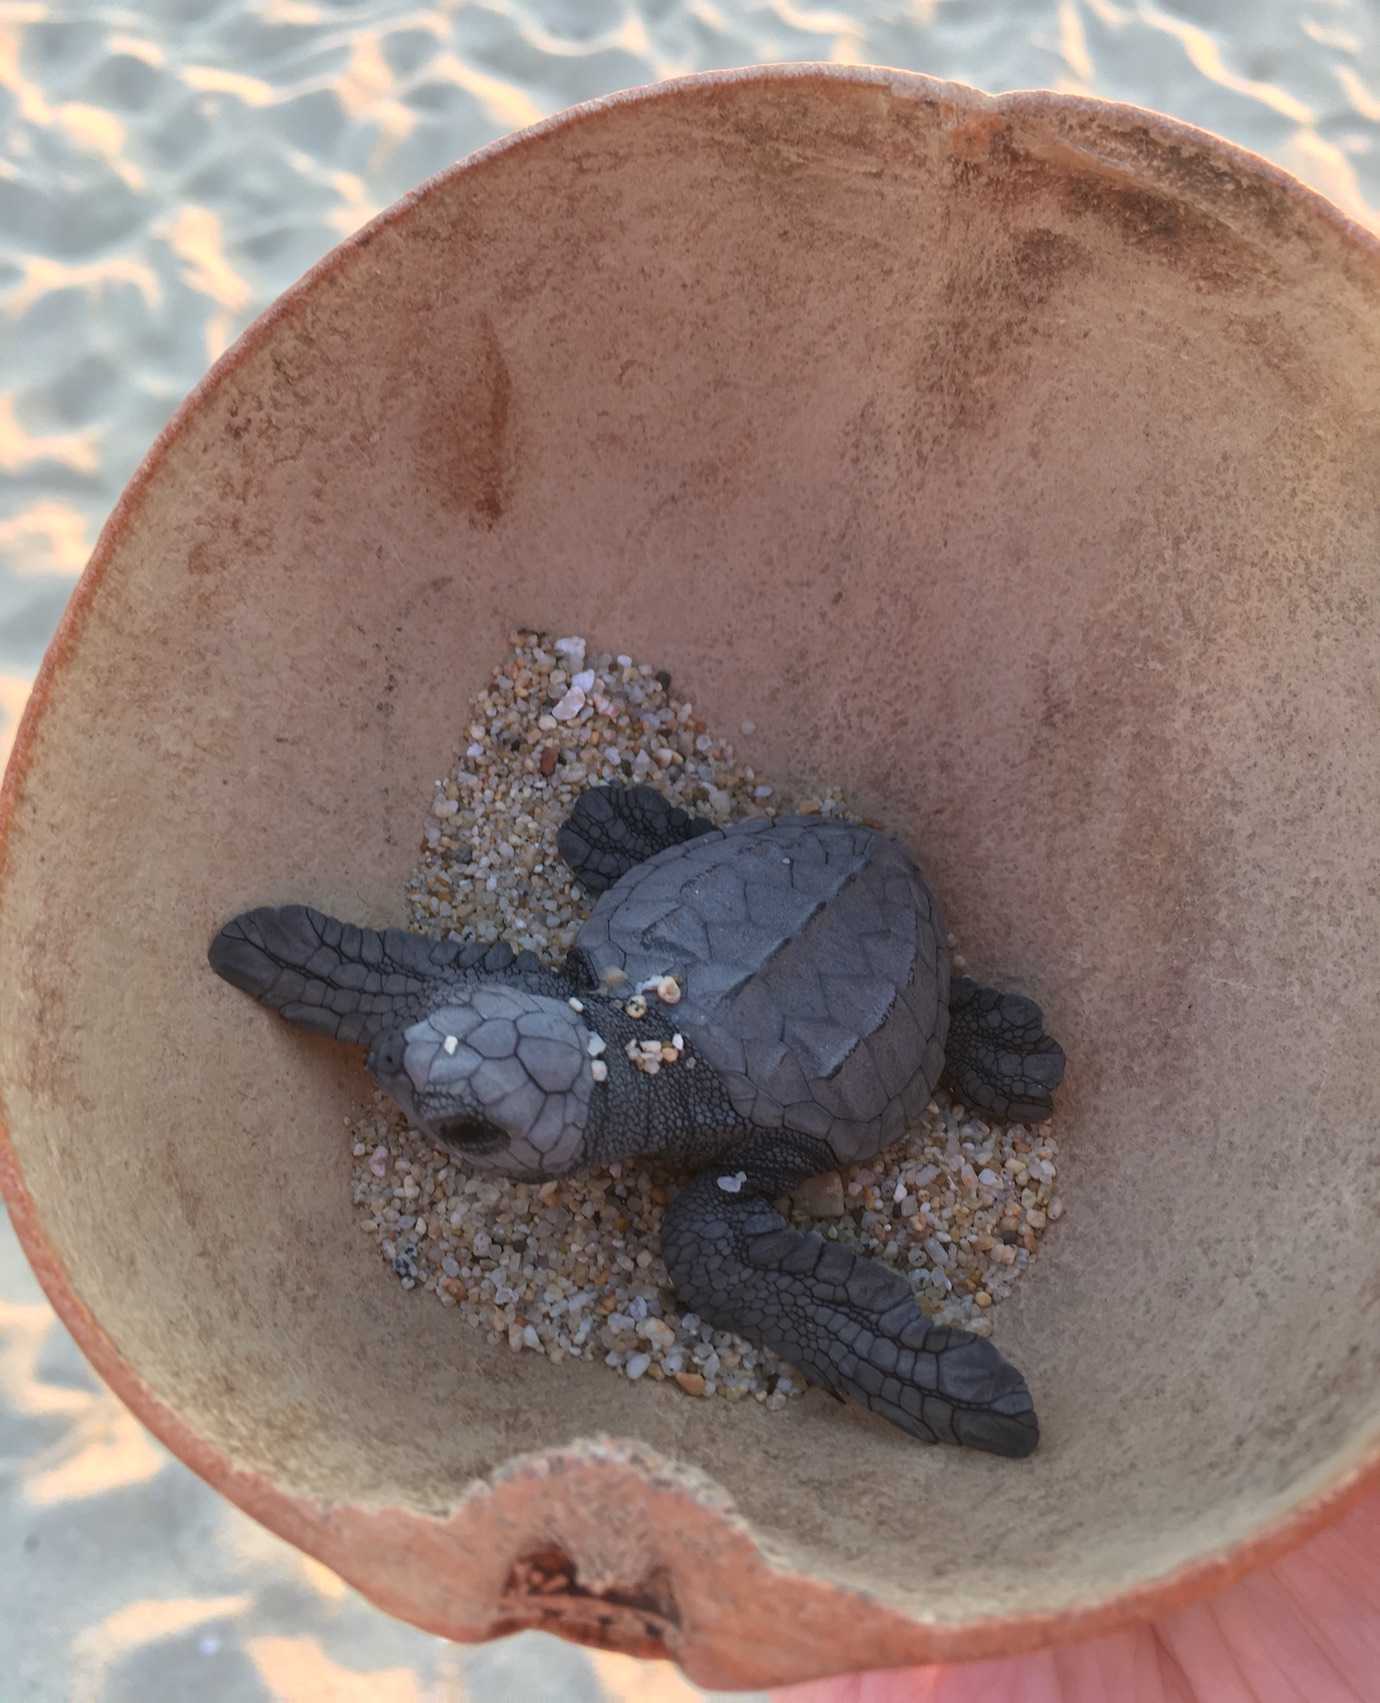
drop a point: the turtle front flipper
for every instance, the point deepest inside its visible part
(614, 828)
(998, 1058)
(848, 1322)
(345, 982)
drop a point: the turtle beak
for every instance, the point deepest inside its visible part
(385, 1056)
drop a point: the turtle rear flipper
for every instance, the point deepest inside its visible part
(998, 1058)
(846, 1321)
(614, 828)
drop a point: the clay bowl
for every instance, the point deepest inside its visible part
(1013, 459)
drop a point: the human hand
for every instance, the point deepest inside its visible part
(1305, 1627)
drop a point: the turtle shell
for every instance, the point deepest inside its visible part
(813, 970)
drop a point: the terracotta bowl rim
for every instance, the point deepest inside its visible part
(307, 1524)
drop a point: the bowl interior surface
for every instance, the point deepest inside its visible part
(1012, 462)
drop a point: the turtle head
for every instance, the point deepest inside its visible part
(498, 1075)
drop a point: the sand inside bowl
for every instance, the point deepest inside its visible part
(573, 1267)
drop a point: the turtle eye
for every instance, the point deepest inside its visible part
(469, 1133)
(387, 1054)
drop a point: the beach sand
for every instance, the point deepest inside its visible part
(167, 170)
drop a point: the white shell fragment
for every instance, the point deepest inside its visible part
(599, 1070)
(646, 1056)
(733, 1184)
(595, 1045)
(450, 1043)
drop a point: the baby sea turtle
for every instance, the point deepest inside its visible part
(759, 1003)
